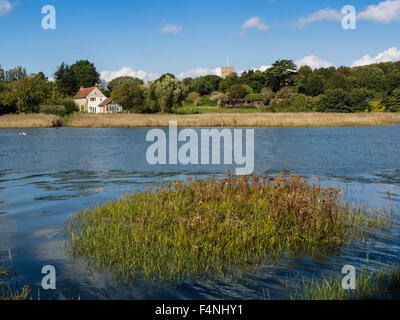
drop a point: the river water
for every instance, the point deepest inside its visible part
(48, 175)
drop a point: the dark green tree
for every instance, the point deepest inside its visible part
(120, 80)
(85, 73)
(281, 74)
(205, 85)
(238, 91)
(65, 80)
(129, 95)
(228, 82)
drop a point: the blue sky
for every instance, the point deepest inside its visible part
(188, 37)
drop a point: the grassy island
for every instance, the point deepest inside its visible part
(205, 227)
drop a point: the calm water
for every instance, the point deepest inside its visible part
(48, 175)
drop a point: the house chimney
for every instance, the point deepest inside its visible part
(81, 88)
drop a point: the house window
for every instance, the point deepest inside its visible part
(92, 99)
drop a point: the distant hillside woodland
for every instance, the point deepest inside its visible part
(283, 88)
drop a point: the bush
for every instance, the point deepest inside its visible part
(129, 95)
(238, 91)
(268, 95)
(215, 96)
(285, 93)
(69, 106)
(297, 103)
(193, 96)
(338, 100)
(393, 101)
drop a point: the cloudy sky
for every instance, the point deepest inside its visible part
(191, 38)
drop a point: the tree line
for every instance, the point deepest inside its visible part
(283, 88)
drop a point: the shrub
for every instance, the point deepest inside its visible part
(338, 100)
(69, 106)
(268, 95)
(238, 91)
(285, 93)
(193, 96)
(215, 96)
(297, 103)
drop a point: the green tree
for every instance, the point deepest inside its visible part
(165, 94)
(205, 85)
(228, 82)
(238, 91)
(85, 73)
(257, 80)
(26, 95)
(338, 100)
(313, 85)
(129, 95)
(120, 80)
(281, 74)
(393, 101)
(65, 80)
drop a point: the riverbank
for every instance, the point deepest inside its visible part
(25, 121)
(80, 120)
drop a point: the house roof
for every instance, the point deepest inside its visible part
(84, 92)
(105, 102)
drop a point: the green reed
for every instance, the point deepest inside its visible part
(206, 227)
(382, 284)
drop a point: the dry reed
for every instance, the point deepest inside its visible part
(236, 120)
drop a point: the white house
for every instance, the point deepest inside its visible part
(92, 100)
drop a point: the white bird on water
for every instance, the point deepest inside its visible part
(22, 134)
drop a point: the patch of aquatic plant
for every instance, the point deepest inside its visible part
(383, 284)
(8, 289)
(205, 227)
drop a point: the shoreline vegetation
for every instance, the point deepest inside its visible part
(266, 120)
(8, 289)
(210, 227)
(382, 283)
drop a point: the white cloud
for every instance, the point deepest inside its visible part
(313, 62)
(171, 29)
(262, 68)
(384, 12)
(127, 71)
(327, 14)
(392, 54)
(5, 7)
(255, 23)
(200, 72)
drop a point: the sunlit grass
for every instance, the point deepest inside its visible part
(206, 227)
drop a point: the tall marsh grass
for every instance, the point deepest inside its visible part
(235, 120)
(21, 121)
(205, 227)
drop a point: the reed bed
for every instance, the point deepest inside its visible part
(235, 120)
(22, 121)
(382, 284)
(197, 228)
